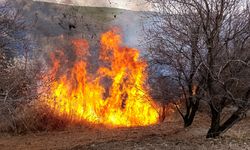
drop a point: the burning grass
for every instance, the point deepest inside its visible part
(114, 96)
(78, 95)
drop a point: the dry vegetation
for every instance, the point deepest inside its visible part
(167, 135)
(203, 45)
(26, 124)
(19, 72)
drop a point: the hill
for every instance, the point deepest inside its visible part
(50, 20)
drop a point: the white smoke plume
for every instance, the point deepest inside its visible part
(136, 5)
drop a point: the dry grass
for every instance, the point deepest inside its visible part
(31, 118)
(20, 112)
(167, 135)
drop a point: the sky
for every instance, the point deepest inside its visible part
(136, 5)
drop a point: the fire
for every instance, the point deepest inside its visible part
(79, 95)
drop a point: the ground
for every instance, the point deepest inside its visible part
(167, 135)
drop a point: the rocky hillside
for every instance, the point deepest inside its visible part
(51, 21)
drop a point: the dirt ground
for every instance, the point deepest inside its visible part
(168, 136)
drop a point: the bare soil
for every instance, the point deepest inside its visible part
(168, 135)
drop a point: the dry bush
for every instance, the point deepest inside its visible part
(31, 118)
(19, 75)
(20, 109)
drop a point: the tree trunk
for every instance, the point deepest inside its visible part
(191, 112)
(236, 117)
(214, 130)
(188, 120)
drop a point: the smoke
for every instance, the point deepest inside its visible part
(136, 5)
(131, 25)
(131, 22)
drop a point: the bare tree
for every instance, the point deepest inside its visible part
(207, 43)
(174, 41)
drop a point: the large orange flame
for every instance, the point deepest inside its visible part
(80, 95)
